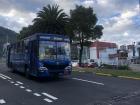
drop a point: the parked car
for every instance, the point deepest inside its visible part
(75, 63)
(92, 63)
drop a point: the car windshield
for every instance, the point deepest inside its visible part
(54, 50)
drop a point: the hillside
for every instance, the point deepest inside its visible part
(6, 34)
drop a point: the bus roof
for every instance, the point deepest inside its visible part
(34, 36)
(45, 34)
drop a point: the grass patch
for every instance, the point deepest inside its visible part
(112, 72)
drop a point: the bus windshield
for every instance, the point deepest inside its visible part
(54, 50)
(47, 50)
(63, 50)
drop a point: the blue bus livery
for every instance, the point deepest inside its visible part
(41, 55)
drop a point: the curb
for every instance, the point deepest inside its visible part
(129, 77)
(126, 77)
(103, 74)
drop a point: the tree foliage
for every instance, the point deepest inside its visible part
(50, 19)
(84, 26)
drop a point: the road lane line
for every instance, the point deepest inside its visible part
(2, 77)
(28, 90)
(48, 100)
(37, 94)
(22, 87)
(19, 82)
(2, 101)
(5, 76)
(50, 96)
(12, 82)
(98, 83)
(16, 84)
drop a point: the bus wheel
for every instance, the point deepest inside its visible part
(27, 74)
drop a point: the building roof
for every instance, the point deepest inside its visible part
(100, 44)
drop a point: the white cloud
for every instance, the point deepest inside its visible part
(19, 18)
(67, 5)
(120, 18)
(88, 3)
(11, 13)
(122, 25)
(126, 34)
(103, 2)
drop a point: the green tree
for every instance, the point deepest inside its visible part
(25, 32)
(69, 30)
(84, 26)
(51, 19)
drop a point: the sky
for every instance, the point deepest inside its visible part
(120, 18)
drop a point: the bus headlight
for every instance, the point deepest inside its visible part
(43, 69)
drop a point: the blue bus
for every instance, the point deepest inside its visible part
(41, 55)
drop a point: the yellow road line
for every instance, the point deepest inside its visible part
(129, 77)
(103, 74)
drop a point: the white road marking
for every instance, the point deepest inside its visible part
(12, 82)
(2, 101)
(2, 77)
(28, 90)
(22, 87)
(48, 100)
(98, 83)
(5, 76)
(19, 82)
(16, 84)
(36, 94)
(50, 96)
(9, 80)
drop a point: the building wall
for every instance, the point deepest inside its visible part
(130, 52)
(86, 54)
(75, 53)
(93, 53)
(104, 56)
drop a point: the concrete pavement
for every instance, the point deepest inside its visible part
(77, 89)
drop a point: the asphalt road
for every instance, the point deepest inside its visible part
(77, 89)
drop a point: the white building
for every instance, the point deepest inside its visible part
(134, 53)
(104, 52)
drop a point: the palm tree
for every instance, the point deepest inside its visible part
(51, 19)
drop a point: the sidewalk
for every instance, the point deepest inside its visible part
(135, 67)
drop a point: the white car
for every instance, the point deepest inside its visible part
(75, 63)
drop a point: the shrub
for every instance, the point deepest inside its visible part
(123, 67)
